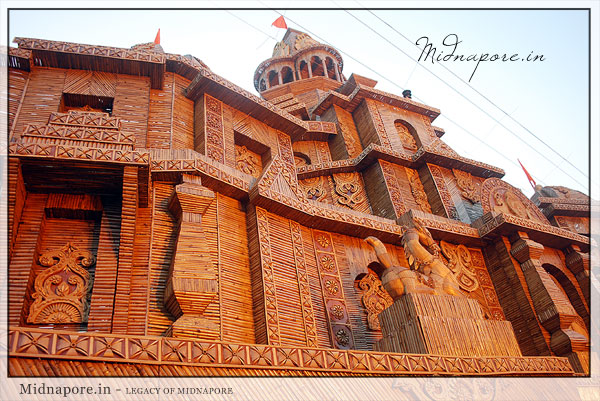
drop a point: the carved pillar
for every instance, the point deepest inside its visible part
(279, 77)
(555, 312)
(193, 280)
(336, 68)
(325, 74)
(309, 68)
(579, 263)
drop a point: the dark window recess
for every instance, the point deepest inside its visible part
(74, 101)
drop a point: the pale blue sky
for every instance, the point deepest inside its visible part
(550, 98)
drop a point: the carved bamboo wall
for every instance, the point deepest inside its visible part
(277, 275)
(107, 258)
(24, 251)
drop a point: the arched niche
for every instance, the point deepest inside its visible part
(262, 86)
(408, 135)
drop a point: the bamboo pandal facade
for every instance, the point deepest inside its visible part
(164, 221)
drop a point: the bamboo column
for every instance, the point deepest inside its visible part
(193, 280)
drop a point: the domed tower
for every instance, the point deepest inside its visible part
(299, 65)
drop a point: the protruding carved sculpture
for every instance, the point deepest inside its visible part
(398, 280)
(374, 298)
(427, 274)
(423, 255)
(61, 290)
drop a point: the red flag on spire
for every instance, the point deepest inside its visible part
(280, 23)
(529, 177)
(157, 39)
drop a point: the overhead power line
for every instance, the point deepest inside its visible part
(475, 104)
(480, 94)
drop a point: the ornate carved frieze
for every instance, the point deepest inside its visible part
(324, 154)
(378, 122)
(308, 313)
(374, 298)
(393, 187)
(30, 342)
(215, 143)
(352, 146)
(270, 293)
(61, 290)
(78, 152)
(90, 50)
(285, 148)
(333, 293)
(468, 189)
(417, 189)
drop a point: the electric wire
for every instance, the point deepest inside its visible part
(476, 91)
(477, 106)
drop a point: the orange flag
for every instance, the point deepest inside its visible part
(280, 23)
(529, 177)
(157, 39)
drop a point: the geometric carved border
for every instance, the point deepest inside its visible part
(89, 347)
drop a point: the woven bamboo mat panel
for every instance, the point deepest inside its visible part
(17, 83)
(43, 97)
(160, 115)
(164, 236)
(131, 106)
(23, 254)
(103, 293)
(237, 321)
(183, 116)
(128, 226)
